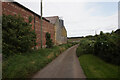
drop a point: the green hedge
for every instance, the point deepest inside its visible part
(17, 35)
(86, 46)
(106, 46)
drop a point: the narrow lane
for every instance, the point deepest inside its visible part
(66, 65)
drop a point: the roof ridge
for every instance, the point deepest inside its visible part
(52, 16)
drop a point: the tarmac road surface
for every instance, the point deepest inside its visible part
(66, 65)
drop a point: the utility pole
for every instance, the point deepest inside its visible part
(95, 32)
(41, 21)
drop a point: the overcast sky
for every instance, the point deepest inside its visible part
(81, 18)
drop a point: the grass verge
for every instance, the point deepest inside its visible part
(25, 65)
(94, 67)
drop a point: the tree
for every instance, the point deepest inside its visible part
(18, 36)
(49, 42)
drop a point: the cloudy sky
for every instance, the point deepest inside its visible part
(81, 18)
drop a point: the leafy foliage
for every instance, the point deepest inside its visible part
(106, 46)
(117, 31)
(18, 36)
(25, 65)
(30, 19)
(85, 47)
(49, 42)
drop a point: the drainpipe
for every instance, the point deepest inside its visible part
(41, 22)
(34, 31)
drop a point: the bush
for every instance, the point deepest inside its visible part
(18, 36)
(107, 49)
(106, 46)
(49, 42)
(86, 46)
(117, 31)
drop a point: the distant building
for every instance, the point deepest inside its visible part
(60, 31)
(63, 32)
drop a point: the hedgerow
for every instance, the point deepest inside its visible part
(106, 46)
(17, 35)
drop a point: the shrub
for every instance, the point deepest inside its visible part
(18, 36)
(49, 42)
(106, 47)
(117, 31)
(86, 46)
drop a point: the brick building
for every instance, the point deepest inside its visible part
(53, 25)
(14, 8)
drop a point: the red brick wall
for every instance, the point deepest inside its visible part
(0, 8)
(47, 27)
(10, 8)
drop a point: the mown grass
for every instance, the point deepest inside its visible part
(25, 65)
(94, 67)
